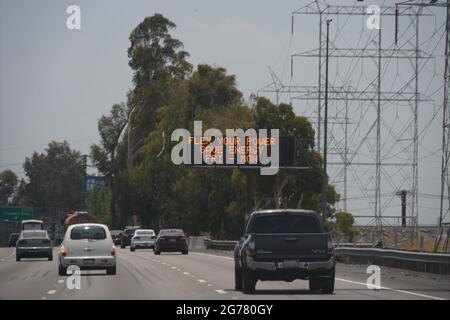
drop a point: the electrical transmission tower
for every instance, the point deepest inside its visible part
(379, 87)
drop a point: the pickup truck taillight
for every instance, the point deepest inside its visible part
(251, 248)
(330, 247)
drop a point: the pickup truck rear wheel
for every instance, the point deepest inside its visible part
(327, 285)
(314, 284)
(237, 279)
(248, 281)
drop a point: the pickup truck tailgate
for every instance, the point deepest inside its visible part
(304, 247)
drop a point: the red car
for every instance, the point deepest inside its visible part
(171, 240)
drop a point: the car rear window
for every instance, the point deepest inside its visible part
(88, 232)
(34, 235)
(143, 238)
(172, 232)
(284, 223)
(144, 233)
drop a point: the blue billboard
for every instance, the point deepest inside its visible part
(93, 183)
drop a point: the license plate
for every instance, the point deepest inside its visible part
(172, 240)
(290, 264)
(88, 261)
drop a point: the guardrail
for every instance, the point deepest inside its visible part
(366, 253)
(220, 244)
(355, 244)
(422, 262)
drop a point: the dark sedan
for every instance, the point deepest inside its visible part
(126, 235)
(34, 244)
(13, 237)
(171, 240)
(116, 236)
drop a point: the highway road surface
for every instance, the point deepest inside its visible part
(199, 275)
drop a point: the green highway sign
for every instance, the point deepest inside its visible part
(15, 214)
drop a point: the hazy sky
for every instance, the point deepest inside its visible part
(56, 83)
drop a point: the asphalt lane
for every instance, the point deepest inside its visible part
(198, 276)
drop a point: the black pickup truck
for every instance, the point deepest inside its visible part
(285, 245)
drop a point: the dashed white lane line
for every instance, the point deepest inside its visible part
(6, 258)
(392, 289)
(219, 291)
(61, 281)
(51, 292)
(43, 298)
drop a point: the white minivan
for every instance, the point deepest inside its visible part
(88, 246)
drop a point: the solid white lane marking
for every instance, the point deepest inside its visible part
(51, 292)
(396, 290)
(201, 280)
(220, 291)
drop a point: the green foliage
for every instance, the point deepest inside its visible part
(104, 156)
(55, 177)
(344, 225)
(159, 66)
(98, 204)
(8, 185)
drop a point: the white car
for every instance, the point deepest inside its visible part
(88, 246)
(143, 238)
